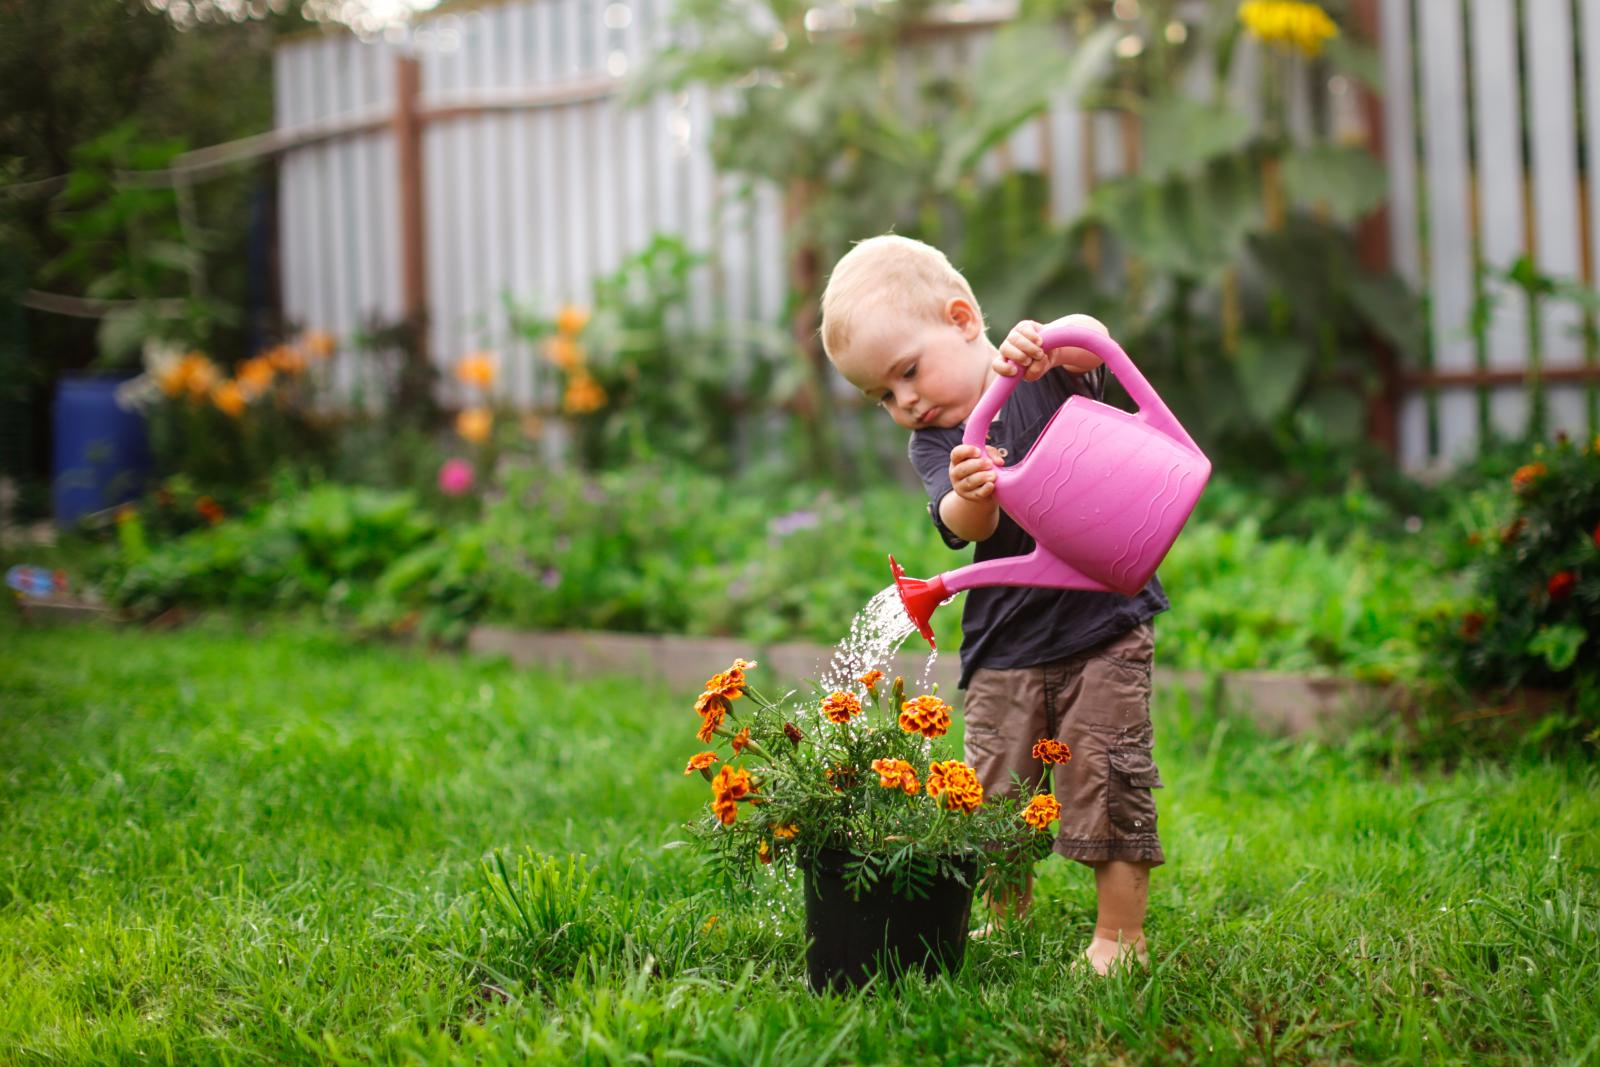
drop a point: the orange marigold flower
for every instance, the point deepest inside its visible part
(229, 399)
(1041, 811)
(786, 832)
(870, 680)
(955, 785)
(732, 782)
(475, 424)
(841, 707)
(477, 370)
(700, 761)
(1560, 585)
(730, 684)
(764, 851)
(199, 375)
(741, 740)
(712, 709)
(1528, 476)
(571, 320)
(564, 352)
(897, 774)
(725, 810)
(925, 715)
(1049, 750)
(286, 359)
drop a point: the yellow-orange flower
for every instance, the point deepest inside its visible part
(318, 344)
(583, 395)
(741, 740)
(730, 684)
(841, 706)
(1041, 811)
(229, 399)
(870, 680)
(700, 761)
(896, 774)
(255, 376)
(571, 320)
(477, 369)
(925, 715)
(475, 424)
(1292, 23)
(764, 851)
(192, 373)
(786, 832)
(1049, 750)
(286, 359)
(955, 785)
(564, 352)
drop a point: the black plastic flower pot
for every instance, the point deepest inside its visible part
(853, 939)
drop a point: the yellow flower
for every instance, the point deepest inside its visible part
(841, 707)
(583, 395)
(477, 369)
(1041, 811)
(1048, 750)
(475, 424)
(957, 785)
(571, 320)
(896, 774)
(700, 761)
(229, 399)
(318, 344)
(925, 715)
(786, 832)
(764, 852)
(1292, 23)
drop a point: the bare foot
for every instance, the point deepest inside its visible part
(1104, 954)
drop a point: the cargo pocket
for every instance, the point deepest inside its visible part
(1133, 775)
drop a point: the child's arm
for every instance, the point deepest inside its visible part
(1021, 351)
(970, 511)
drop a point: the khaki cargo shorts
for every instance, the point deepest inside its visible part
(1098, 703)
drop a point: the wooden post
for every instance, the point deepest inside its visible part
(1372, 247)
(408, 161)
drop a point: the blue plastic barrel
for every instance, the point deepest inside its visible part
(102, 452)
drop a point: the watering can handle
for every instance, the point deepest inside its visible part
(1151, 409)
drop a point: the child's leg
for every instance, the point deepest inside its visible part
(1123, 889)
(1011, 902)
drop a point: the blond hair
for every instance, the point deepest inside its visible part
(889, 274)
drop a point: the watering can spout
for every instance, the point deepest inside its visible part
(920, 598)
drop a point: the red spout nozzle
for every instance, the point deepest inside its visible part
(919, 597)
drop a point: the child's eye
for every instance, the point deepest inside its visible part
(911, 371)
(886, 399)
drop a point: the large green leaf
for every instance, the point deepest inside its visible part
(1016, 81)
(1181, 134)
(1271, 370)
(1194, 227)
(1348, 181)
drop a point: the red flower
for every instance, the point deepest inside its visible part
(1561, 584)
(1597, 535)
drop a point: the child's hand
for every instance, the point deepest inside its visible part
(972, 472)
(1021, 351)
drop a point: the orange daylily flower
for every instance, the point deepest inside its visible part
(925, 715)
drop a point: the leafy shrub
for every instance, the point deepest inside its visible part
(1534, 618)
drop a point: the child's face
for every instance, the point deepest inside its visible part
(924, 374)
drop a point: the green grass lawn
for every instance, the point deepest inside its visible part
(255, 846)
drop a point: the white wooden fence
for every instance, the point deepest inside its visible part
(537, 180)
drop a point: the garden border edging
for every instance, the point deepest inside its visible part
(1276, 702)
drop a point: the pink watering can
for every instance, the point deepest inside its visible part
(1102, 493)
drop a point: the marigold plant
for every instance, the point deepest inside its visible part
(851, 768)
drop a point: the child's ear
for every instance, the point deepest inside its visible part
(959, 312)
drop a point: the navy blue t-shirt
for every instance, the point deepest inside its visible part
(1019, 626)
